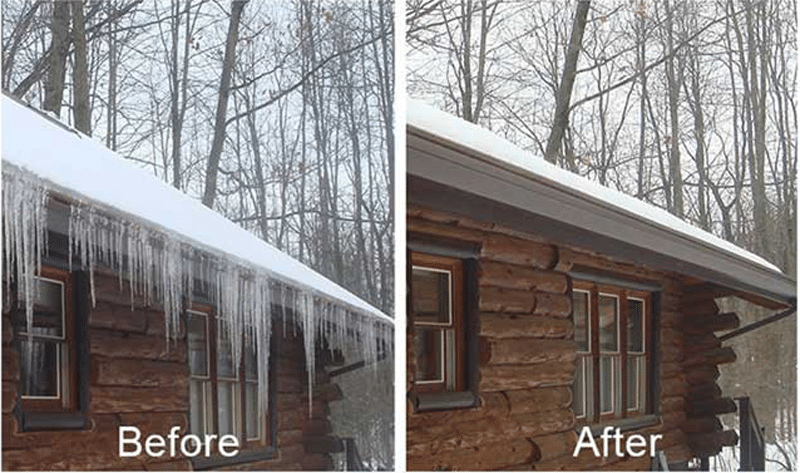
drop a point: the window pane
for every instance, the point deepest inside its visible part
(197, 407)
(197, 344)
(635, 383)
(48, 309)
(578, 404)
(431, 293)
(40, 367)
(607, 306)
(224, 351)
(580, 314)
(429, 350)
(252, 417)
(635, 326)
(606, 384)
(225, 409)
(250, 363)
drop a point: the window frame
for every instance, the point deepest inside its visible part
(454, 268)
(67, 400)
(468, 394)
(592, 394)
(266, 421)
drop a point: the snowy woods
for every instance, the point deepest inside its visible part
(687, 105)
(278, 115)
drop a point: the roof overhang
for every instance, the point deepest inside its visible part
(447, 175)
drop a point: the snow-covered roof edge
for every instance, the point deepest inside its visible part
(70, 163)
(448, 127)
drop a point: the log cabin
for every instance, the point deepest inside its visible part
(542, 304)
(128, 304)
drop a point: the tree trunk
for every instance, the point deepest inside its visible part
(561, 116)
(59, 49)
(81, 108)
(210, 192)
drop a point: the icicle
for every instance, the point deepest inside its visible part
(161, 268)
(309, 340)
(24, 232)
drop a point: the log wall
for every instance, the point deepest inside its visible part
(525, 419)
(137, 380)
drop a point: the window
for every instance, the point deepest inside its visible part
(438, 313)
(47, 355)
(612, 369)
(223, 397)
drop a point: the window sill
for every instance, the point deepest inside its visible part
(40, 421)
(250, 456)
(424, 402)
(624, 425)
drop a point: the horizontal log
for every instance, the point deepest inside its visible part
(323, 444)
(696, 344)
(511, 276)
(506, 377)
(697, 425)
(317, 462)
(672, 404)
(490, 456)
(290, 437)
(555, 305)
(712, 443)
(674, 386)
(525, 351)
(672, 420)
(671, 369)
(493, 299)
(518, 251)
(701, 306)
(678, 454)
(708, 390)
(468, 435)
(555, 445)
(716, 356)
(702, 375)
(317, 427)
(492, 404)
(115, 344)
(447, 231)
(498, 405)
(716, 323)
(110, 399)
(708, 407)
(120, 317)
(138, 373)
(291, 420)
(497, 325)
(539, 399)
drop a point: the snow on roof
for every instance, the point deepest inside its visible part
(453, 129)
(84, 169)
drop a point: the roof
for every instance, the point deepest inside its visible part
(81, 168)
(445, 152)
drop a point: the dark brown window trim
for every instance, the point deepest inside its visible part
(468, 396)
(75, 417)
(252, 450)
(622, 289)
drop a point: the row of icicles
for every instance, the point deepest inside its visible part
(161, 268)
